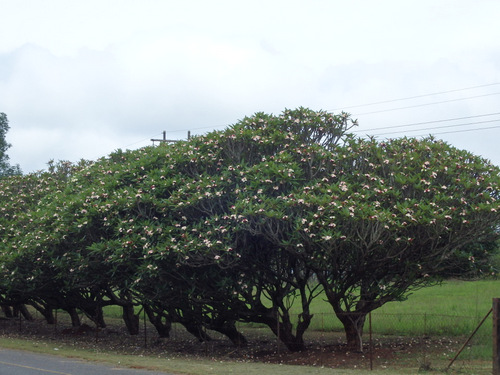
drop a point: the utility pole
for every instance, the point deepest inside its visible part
(165, 140)
(496, 336)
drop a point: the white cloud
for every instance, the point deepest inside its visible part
(82, 79)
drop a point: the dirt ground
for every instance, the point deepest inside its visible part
(325, 349)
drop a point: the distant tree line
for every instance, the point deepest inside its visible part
(5, 168)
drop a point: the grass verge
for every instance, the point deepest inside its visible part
(187, 365)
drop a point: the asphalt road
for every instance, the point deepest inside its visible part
(16, 362)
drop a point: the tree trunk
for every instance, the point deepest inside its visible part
(229, 330)
(75, 318)
(131, 320)
(156, 320)
(353, 327)
(281, 326)
(95, 314)
(24, 312)
(292, 342)
(197, 331)
(46, 311)
(303, 325)
(284, 331)
(7, 311)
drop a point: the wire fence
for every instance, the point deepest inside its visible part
(432, 341)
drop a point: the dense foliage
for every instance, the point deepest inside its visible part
(241, 224)
(5, 168)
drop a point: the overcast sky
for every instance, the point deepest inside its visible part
(80, 79)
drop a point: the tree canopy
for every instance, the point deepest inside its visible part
(246, 223)
(5, 168)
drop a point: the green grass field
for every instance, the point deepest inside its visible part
(452, 308)
(454, 297)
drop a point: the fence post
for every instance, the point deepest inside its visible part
(278, 331)
(496, 336)
(145, 330)
(371, 340)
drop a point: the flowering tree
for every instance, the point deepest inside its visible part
(158, 227)
(238, 275)
(20, 198)
(244, 224)
(382, 219)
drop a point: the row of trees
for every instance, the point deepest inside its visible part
(246, 223)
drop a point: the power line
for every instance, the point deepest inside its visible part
(214, 127)
(462, 131)
(426, 122)
(143, 140)
(200, 128)
(442, 127)
(427, 104)
(416, 96)
(402, 126)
